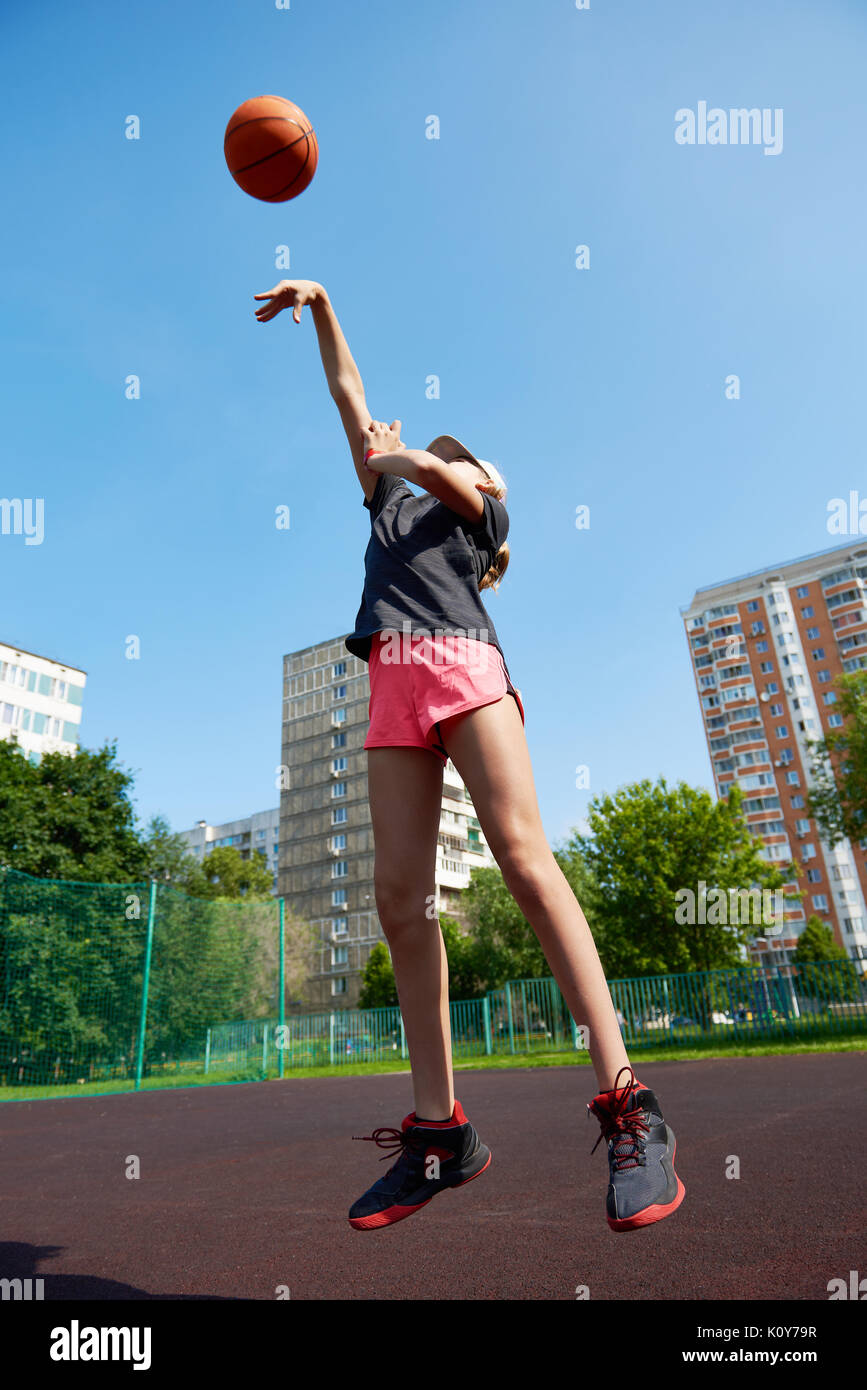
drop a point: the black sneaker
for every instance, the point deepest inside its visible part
(643, 1185)
(433, 1156)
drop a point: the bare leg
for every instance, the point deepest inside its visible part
(405, 787)
(489, 749)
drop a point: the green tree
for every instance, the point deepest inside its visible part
(816, 946)
(168, 858)
(226, 875)
(378, 988)
(649, 843)
(69, 816)
(502, 945)
(818, 942)
(838, 800)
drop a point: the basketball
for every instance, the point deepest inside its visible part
(270, 148)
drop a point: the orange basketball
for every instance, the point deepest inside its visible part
(271, 149)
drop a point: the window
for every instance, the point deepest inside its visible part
(338, 789)
(773, 688)
(820, 902)
(338, 986)
(793, 779)
(338, 842)
(757, 628)
(808, 852)
(338, 716)
(823, 677)
(835, 721)
(338, 740)
(340, 925)
(807, 612)
(803, 592)
(818, 654)
(338, 815)
(338, 764)
(766, 668)
(781, 731)
(802, 826)
(814, 875)
(797, 803)
(339, 692)
(338, 669)
(812, 634)
(753, 606)
(829, 698)
(338, 897)
(260, 834)
(776, 709)
(761, 646)
(340, 955)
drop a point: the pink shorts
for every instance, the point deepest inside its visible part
(417, 679)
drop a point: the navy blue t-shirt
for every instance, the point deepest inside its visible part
(423, 564)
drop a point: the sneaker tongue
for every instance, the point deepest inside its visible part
(644, 1100)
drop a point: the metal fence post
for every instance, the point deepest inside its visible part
(486, 1019)
(143, 1017)
(281, 1006)
(207, 1051)
(509, 1008)
(331, 1023)
(402, 1038)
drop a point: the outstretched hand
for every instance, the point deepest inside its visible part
(292, 294)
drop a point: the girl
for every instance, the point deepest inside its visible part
(438, 685)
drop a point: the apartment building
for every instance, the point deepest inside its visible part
(326, 837)
(766, 648)
(40, 702)
(249, 835)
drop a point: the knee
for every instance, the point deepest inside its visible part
(402, 903)
(528, 870)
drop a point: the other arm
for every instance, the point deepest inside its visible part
(444, 482)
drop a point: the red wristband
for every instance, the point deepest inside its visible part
(371, 451)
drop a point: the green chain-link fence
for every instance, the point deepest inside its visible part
(132, 984)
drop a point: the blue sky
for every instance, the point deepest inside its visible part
(452, 257)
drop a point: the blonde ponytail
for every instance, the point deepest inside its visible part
(496, 486)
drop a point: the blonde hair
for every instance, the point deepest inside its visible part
(496, 486)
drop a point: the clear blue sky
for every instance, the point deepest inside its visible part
(452, 257)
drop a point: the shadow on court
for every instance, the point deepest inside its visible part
(244, 1190)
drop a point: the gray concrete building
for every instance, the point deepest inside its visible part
(326, 837)
(248, 835)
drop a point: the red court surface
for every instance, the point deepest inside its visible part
(246, 1188)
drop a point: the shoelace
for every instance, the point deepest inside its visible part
(395, 1140)
(625, 1128)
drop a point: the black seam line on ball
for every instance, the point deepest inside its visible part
(305, 134)
(274, 197)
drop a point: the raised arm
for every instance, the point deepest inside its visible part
(341, 373)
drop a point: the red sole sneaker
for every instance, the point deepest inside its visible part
(657, 1212)
(392, 1215)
